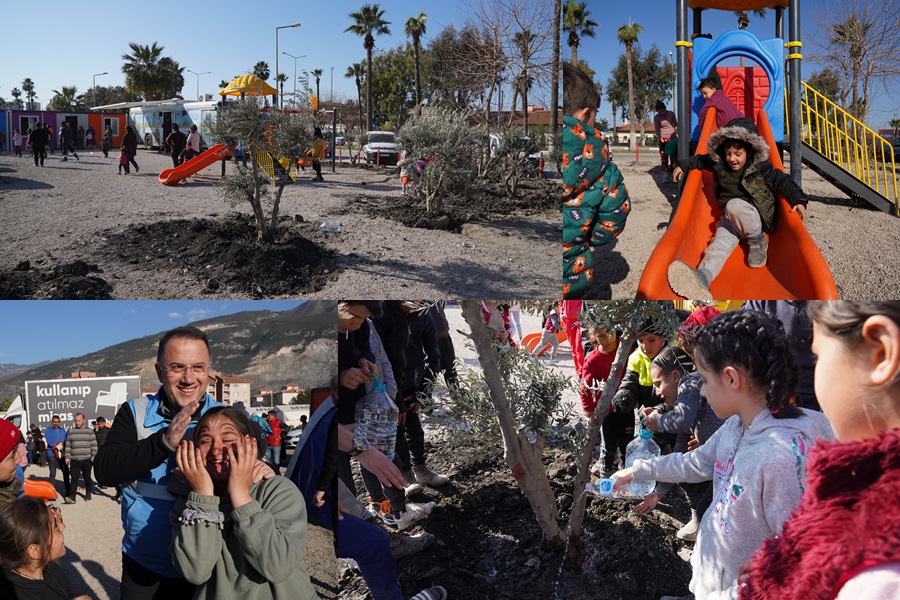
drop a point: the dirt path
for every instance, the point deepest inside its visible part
(78, 211)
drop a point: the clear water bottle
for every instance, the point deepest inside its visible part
(330, 226)
(603, 488)
(376, 419)
(642, 447)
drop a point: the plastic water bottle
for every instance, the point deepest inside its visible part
(330, 226)
(642, 447)
(603, 488)
(376, 419)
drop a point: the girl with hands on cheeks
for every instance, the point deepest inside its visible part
(236, 535)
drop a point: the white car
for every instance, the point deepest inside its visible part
(381, 148)
(339, 140)
(293, 438)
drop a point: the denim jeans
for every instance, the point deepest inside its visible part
(370, 546)
(739, 221)
(273, 453)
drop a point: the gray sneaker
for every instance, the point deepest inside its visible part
(404, 545)
(688, 533)
(426, 477)
(412, 487)
(691, 284)
(759, 248)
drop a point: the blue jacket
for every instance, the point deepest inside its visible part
(146, 502)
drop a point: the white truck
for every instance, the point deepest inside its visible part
(94, 396)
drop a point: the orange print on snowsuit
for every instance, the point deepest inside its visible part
(576, 201)
(565, 160)
(566, 288)
(578, 130)
(589, 151)
(608, 225)
(626, 206)
(589, 274)
(613, 192)
(580, 264)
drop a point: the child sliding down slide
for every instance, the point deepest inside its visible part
(745, 180)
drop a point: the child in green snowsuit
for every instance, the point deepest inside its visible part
(596, 202)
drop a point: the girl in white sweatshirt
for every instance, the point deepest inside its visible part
(756, 460)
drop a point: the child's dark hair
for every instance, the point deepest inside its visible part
(241, 422)
(711, 81)
(740, 145)
(578, 90)
(844, 319)
(671, 359)
(24, 522)
(757, 344)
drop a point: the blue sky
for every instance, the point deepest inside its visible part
(657, 17)
(227, 39)
(39, 330)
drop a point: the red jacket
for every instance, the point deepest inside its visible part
(274, 439)
(848, 521)
(596, 368)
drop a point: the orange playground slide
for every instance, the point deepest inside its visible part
(200, 162)
(530, 341)
(795, 268)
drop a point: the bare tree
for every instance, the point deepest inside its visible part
(858, 39)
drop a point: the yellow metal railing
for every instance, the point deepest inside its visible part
(847, 142)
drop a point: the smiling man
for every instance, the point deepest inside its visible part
(139, 454)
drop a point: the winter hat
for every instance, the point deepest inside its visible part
(9, 437)
(696, 321)
(739, 129)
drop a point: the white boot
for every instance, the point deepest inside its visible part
(688, 533)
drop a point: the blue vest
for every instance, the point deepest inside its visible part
(306, 464)
(145, 502)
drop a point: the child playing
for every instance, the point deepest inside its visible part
(842, 541)
(756, 460)
(17, 143)
(31, 539)
(106, 144)
(231, 537)
(596, 370)
(745, 179)
(596, 201)
(710, 88)
(548, 335)
(123, 161)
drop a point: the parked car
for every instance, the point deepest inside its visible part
(381, 147)
(339, 140)
(293, 438)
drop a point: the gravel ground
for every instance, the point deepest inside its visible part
(58, 214)
(860, 244)
(93, 559)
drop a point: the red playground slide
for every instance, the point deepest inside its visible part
(795, 268)
(200, 162)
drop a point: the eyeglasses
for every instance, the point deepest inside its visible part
(177, 369)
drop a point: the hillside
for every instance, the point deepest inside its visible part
(269, 348)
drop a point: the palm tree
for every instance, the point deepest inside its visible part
(279, 82)
(142, 70)
(415, 28)
(577, 23)
(261, 70)
(317, 73)
(65, 98)
(357, 71)
(554, 73)
(628, 35)
(895, 123)
(17, 94)
(28, 88)
(523, 82)
(744, 20)
(369, 22)
(851, 36)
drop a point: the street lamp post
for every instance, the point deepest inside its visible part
(198, 80)
(296, 25)
(331, 92)
(674, 80)
(295, 71)
(94, 88)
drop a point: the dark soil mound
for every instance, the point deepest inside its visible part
(489, 544)
(488, 201)
(71, 281)
(225, 253)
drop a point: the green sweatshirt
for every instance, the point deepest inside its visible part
(259, 553)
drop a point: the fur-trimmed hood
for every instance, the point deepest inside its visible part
(741, 129)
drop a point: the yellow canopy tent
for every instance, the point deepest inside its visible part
(248, 85)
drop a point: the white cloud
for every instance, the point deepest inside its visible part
(175, 315)
(197, 314)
